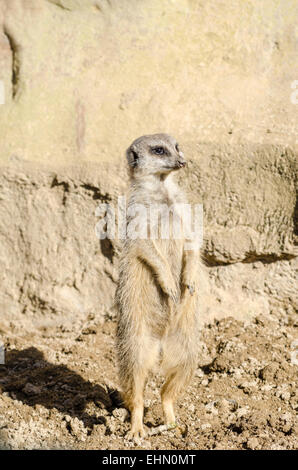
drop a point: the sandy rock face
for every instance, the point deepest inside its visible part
(82, 79)
(55, 264)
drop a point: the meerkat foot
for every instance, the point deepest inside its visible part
(136, 433)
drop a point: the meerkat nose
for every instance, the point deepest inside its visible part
(181, 164)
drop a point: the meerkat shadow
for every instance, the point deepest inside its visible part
(28, 377)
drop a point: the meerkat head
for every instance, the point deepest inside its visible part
(156, 154)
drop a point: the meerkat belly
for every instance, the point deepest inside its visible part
(143, 304)
(172, 250)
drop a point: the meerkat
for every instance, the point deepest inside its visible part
(157, 293)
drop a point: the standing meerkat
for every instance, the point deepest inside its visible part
(156, 295)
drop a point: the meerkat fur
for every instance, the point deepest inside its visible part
(158, 286)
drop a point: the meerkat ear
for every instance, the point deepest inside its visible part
(132, 157)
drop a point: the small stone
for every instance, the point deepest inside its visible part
(211, 407)
(99, 430)
(248, 387)
(237, 373)
(229, 404)
(242, 412)
(199, 373)
(120, 413)
(285, 396)
(257, 265)
(286, 422)
(77, 428)
(205, 426)
(252, 443)
(268, 372)
(112, 425)
(266, 388)
(89, 330)
(191, 408)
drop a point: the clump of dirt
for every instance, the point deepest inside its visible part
(59, 390)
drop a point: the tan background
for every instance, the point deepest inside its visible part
(83, 78)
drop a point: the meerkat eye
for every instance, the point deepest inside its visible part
(177, 148)
(158, 150)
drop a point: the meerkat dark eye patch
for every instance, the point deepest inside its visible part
(135, 155)
(134, 159)
(158, 150)
(177, 147)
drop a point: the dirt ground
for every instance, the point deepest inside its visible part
(59, 389)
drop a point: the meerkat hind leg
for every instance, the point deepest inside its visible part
(169, 393)
(136, 406)
(178, 376)
(135, 397)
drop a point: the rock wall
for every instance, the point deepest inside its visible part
(82, 79)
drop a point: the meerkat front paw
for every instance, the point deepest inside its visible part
(173, 295)
(190, 286)
(170, 288)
